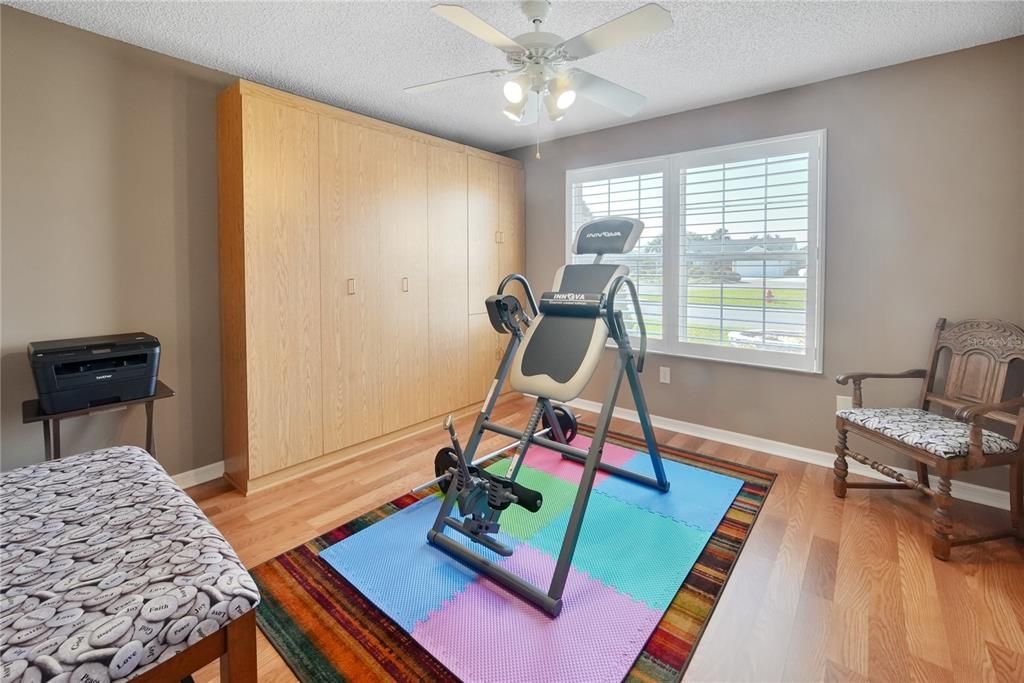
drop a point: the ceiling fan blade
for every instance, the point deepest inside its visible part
(467, 21)
(609, 95)
(424, 87)
(640, 22)
(530, 112)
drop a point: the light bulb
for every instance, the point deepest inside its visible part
(566, 99)
(513, 91)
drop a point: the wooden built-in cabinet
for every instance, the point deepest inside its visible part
(355, 259)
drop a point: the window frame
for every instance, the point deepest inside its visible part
(671, 165)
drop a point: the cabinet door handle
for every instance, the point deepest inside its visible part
(497, 237)
(351, 286)
(405, 284)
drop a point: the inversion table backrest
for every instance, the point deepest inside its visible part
(562, 347)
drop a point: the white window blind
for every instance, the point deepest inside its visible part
(729, 266)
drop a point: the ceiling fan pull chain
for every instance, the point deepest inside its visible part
(537, 156)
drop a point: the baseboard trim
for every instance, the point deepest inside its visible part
(200, 475)
(962, 490)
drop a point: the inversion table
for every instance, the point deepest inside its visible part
(552, 355)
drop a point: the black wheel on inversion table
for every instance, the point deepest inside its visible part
(445, 459)
(566, 420)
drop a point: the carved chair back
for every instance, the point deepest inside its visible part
(980, 355)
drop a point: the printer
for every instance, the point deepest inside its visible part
(74, 374)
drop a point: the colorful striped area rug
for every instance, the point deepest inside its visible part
(326, 630)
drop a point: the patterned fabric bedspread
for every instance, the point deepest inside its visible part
(108, 568)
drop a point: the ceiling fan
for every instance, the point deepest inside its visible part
(539, 63)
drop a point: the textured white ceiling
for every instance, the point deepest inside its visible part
(359, 55)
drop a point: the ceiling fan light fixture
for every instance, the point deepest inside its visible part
(515, 89)
(516, 110)
(561, 88)
(551, 104)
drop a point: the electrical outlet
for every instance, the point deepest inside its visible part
(664, 375)
(844, 402)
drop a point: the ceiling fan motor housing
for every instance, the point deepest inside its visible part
(540, 58)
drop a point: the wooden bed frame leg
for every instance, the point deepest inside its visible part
(839, 467)
(942, 520)
(238, 663)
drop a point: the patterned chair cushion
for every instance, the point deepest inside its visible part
(936, 434)
(109, 568)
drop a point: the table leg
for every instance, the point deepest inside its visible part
(150, 441)
(47, 448)
(56, 439)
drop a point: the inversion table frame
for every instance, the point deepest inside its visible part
(550, 601)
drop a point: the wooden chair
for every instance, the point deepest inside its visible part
(980, 355)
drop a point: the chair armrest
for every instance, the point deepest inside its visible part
(858, 377)
(973, 412)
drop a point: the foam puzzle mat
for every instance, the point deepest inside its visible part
(636, 547)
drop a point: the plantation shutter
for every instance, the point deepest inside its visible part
(729, 266)
(638, 195)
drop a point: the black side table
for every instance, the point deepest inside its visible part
(30, 412)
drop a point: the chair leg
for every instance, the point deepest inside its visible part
(1017, 499)
(238, 663)
(839, 467)
(922, 474)
(942, 520)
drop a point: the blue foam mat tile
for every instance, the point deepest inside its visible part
(391, 563)
(697, 497)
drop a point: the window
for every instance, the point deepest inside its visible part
(729, 266)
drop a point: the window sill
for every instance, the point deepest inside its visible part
(722, 361)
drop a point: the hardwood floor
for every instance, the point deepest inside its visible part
(825, 589)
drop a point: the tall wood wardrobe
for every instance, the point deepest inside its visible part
(355, 258)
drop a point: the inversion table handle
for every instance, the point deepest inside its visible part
(614, 323)
(516, 277)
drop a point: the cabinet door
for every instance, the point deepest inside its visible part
(350, 197)
(511, 224)
(282, 285)
(511, 256)
(484, 356)
(403, 351)
(484, 272)
(448, 306)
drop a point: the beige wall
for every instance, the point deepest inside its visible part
(109, 225)
(925, 183)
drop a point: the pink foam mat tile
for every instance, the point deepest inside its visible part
(486, 634)
(552, 462)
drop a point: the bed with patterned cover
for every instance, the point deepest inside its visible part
(109, 571)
